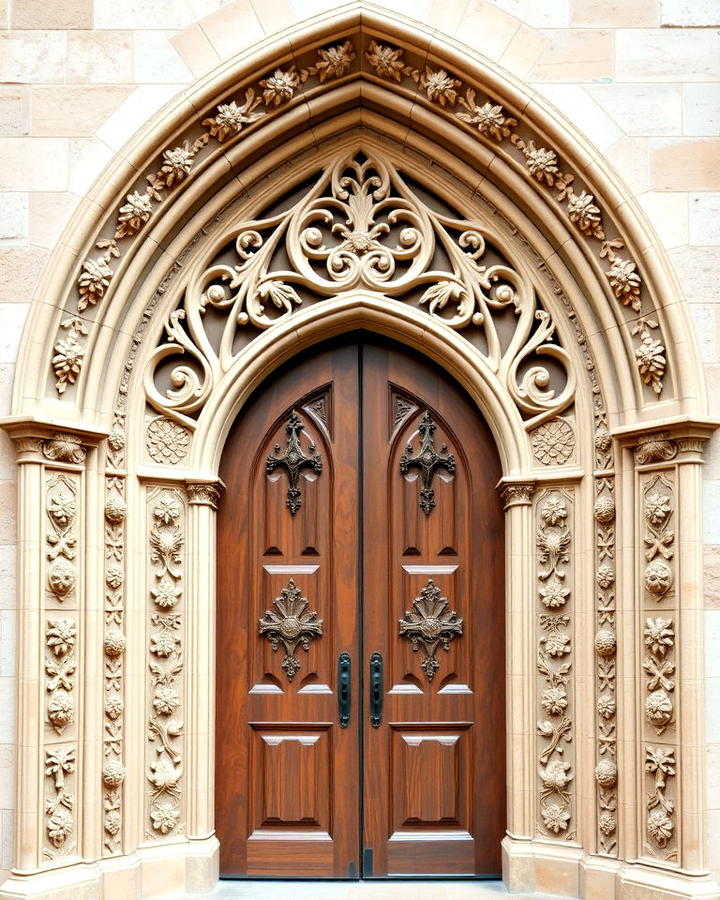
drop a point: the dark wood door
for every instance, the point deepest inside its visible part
(360, 523)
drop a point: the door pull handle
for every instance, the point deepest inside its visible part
(344, 689)
(376, 689)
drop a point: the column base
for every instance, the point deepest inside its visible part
(167, 870)
(534, 866)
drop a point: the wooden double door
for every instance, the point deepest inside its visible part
(360, 631)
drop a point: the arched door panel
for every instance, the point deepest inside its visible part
(360, 521)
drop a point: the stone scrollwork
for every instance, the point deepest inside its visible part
(361, 225)
(166, 661)
(554, 664)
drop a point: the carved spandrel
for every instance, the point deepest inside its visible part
(427, 461)
(294, 461)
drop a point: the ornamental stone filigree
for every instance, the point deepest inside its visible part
(294, 461)
(292, 626)
(427, 461)
(429, 625)
(361, 225)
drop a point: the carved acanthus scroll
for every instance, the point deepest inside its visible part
(361, 226)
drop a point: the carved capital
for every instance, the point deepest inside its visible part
(655, 447)
(204, 494)
(516, 494)
(41, 441)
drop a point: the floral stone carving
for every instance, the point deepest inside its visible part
(166, 631)
(430, 624)
(554, 663)
(292, 626)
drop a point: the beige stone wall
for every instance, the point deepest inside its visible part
(641, 78)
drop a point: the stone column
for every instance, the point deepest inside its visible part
(520, 705)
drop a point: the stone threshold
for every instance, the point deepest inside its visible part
(360, 890)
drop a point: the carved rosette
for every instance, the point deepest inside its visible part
(61, 636)
(605, 647)
(658, 627)
(554, 511)
(553, 442)
(113, 661)
(166, 524)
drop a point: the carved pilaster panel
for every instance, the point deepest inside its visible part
(606, 770)
(166, 516)
(659, 610)
(113, 773)
(554, 523)
(62, 650)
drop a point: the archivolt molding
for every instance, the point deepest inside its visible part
(502, 119)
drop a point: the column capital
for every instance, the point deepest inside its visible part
(204, 493)
(516, 493)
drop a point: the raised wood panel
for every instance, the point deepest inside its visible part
(430, 771)
(293, 773)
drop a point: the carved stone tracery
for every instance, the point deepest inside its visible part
(361, 225)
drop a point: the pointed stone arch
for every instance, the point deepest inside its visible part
(604, 452)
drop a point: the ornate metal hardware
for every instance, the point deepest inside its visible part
(294, 460)
(376, 689)
(290, 626)
(427, 460)
(430, 623)
(344, 689)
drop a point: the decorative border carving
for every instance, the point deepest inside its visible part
(605, 645)
(554, 511)
(658, 649)
(113, 773)
(61, 639)
(166, 515)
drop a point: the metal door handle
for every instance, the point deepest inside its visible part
(344, 689)
(376, 689)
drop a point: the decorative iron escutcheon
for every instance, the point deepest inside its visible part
(427, 460)
(344, 688)
(430, 623)
(376, 689)
(294, 460)
(290, 626)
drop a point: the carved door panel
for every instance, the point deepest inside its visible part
(434, 610)
(360, 519)
(287, 772)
